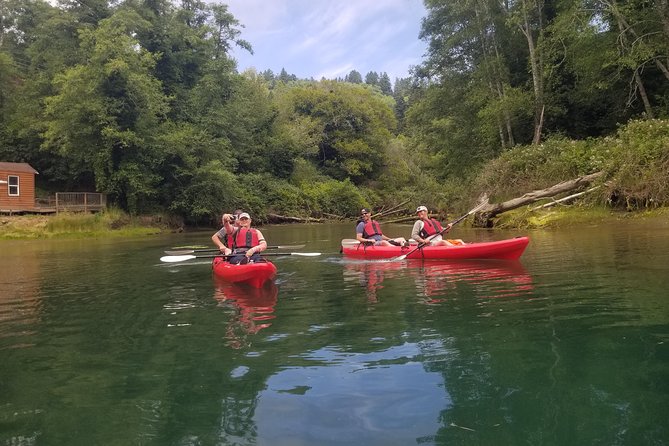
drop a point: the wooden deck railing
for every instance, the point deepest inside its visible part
(72, 202)
(80, 201)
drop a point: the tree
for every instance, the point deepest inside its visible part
(385, 85)
(353, 77)
(342, 128)
(111, 133)
(372, 78)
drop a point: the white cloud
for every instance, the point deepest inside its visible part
(329, 38)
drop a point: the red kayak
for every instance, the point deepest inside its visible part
(253, 274)
(510, 249)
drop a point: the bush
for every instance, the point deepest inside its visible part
(635, 162)
(639, 165)
(341, 198)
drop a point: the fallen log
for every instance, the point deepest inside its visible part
(565, 199)
(276, 218)
(484, 217)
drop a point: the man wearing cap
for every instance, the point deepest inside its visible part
(368, 231)
(245, 242)
(427, 231)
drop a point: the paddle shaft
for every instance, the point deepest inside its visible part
(193, 251)
(172, 259)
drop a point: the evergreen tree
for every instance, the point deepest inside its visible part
(385, 85)
(353, 77)
(372, 78)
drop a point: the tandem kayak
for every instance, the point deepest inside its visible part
(253, 274)
(510, 249)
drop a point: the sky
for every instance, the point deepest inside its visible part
(329, 38)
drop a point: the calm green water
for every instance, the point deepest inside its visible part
(101, 344)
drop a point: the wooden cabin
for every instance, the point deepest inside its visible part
(17, 187)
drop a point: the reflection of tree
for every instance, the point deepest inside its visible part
(254, 307)
(19, 298)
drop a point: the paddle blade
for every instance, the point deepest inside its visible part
(304, 254)
(172, 259)
(180, 252)
(286, 247)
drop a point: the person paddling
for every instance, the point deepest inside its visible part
(368, 231)
(428, 231)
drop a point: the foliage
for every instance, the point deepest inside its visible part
(340, 198)
(640, 165)
(635, 163)
(142, 101)
(342, 128)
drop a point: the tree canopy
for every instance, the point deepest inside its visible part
(141, 100)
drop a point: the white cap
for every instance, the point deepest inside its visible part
(243, 214)
(421, 208)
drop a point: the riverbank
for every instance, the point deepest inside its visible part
(67, 225)
(565, 217)
(118, 224)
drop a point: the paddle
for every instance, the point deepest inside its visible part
(483, 201)
(172, 259)
(353, 242)
(194, 251)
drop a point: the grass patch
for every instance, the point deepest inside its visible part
(558, 217)
(111, 223)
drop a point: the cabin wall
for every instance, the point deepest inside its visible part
(26, 198)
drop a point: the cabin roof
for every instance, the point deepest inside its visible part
(17, 167)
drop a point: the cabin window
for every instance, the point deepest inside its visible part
(13, 185)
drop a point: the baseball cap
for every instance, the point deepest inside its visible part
(421, 208)
(243, 215)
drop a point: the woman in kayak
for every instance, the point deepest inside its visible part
(427, 231)
(368, 231)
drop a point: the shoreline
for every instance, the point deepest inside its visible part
(76, 226)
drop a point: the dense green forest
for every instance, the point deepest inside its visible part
(141, 100)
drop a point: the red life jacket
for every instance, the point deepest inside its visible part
(244, 238)
(371, 228)
(430, 227)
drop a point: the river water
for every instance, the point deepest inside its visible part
(102, 344)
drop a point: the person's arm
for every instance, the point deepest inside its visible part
(415, 232)
(216, 238)
(260, 247)
(229, 229)
(358, 234)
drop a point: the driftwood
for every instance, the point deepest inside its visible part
(275, 218)
(393, 210)
(565, 199)
(484, 216)
(334, 216)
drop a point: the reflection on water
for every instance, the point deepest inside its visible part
(19, 295)
(567, 346)
(253, 308)
(434, 279)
